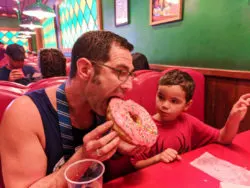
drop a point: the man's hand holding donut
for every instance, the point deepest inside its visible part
(99, 145)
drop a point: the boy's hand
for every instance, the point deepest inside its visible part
(169, 155)
(239, 109)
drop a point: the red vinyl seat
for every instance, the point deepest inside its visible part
(12, 84)
(145, 88)
(46, 82)
(68, 68)
(6, 96)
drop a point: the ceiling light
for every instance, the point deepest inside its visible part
(26, 32)
(23, 36)
(30, 23)
(39, 10)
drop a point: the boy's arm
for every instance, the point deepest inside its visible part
(166, 156)
(238, 112)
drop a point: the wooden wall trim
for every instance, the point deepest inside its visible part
(9, 29)
(209, 71)
(99, 14)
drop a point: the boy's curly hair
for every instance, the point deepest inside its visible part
(178, 77)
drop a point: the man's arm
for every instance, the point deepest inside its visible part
(22, 144)
(238, 112)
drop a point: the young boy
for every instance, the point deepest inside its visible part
(180, 132)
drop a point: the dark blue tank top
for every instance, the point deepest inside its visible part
(53, 149)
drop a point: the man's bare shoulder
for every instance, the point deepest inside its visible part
(21, 105)
(22, 114)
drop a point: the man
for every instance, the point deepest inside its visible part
(15, 70)
(101, 68)
(2, 51)
(2, 54)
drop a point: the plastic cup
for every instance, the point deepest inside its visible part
(87, 173)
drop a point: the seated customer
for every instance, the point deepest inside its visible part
(2, 51)
(15, 70)
(180, 132)
(140, 62)
(51, 62)
(2, 55)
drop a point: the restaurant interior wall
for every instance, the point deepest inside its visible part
(212, 34)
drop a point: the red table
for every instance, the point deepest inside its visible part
(182, 174)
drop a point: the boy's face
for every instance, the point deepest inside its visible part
(171, 102)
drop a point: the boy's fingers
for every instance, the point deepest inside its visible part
(178, 157)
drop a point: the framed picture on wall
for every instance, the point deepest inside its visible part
(164, 11)
(121, 12)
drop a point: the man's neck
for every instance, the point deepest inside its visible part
(81, 115)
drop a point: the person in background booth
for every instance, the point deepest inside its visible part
(2, 51)
(15, 70)
(140, 62)
(36, 155)
(2, 55)
(51, 62)
(180, 132)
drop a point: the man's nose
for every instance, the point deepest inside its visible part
(127, 85)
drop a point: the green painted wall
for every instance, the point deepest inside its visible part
(13, 23)
(213, 33)
(8, 22)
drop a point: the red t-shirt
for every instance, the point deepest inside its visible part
(183, 134)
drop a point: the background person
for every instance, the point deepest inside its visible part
(140, 61)
(15, 70)
(51, 62)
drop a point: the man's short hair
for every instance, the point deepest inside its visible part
(181, 78)
(15, 52)
(95, 46)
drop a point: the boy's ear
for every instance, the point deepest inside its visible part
(189, 103)
(84, 68)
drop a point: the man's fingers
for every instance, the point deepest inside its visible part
(109, 155)
(93, 144)
(98, 132)
(109, 147)
(245, 96)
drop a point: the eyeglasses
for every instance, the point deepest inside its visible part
(122, 75)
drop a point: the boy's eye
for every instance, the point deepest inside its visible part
(175, 101)
(160, 97)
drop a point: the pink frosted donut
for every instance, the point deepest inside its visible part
(132, 122)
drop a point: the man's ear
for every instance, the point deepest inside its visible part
(189, 103)
(84, 68)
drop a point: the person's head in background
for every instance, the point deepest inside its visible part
(174, 95)
(51, 62)
(16, 56)
(1, 45)
(140, 62)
